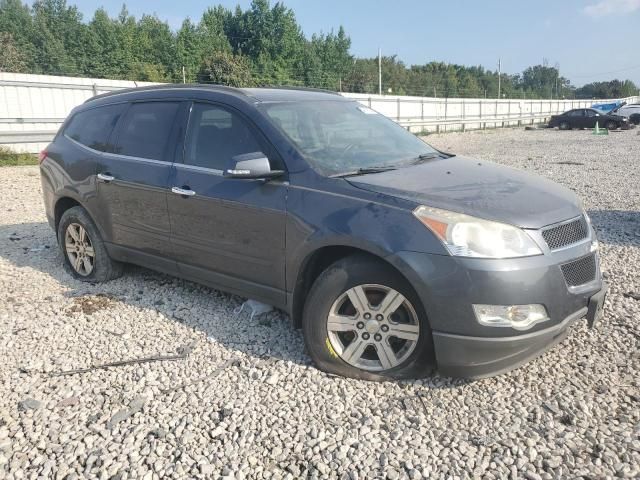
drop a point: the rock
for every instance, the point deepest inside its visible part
(273, 379)
(68, 402)
(119, 416)
(29, 404)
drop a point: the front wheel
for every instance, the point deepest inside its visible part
(363, 320)
(564, 126)
(635, 118)
(611, 125)
(84, 252)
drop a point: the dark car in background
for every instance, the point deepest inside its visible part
(393, 257)
(587, 118)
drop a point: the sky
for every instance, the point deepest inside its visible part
(590, 40)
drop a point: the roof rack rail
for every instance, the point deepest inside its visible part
(164, 86)
(304, 89)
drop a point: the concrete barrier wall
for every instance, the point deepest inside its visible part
(431, 114)
(32, 107)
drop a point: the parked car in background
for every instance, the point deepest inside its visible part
(630, 111)
(393, 257)
(587, 118)
(607, 107)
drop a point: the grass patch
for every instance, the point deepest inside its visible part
(10, 159)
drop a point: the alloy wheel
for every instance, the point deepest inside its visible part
(373, 327)
(79, 249)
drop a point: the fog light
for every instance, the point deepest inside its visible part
(518, 317)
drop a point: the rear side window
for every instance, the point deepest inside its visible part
(216, 135)
(145, 130)
(93, 127)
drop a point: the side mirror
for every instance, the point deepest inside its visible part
(250, 165)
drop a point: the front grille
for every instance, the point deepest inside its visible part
(566, 233)
(581, 271)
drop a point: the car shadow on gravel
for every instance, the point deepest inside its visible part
(197, 307)
(215, 313)
(617, 227)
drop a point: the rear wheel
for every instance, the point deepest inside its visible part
(611, 125)
(564, 126)
(635, 118)
(84, 252)
(363, 320)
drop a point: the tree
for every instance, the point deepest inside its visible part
(15, 20)
(610, 89)
(260, 45)
(225, 68)
(154, 49)
(12, 59)
(188, 51)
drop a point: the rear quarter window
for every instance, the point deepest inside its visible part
(145, 130)
(92, 128)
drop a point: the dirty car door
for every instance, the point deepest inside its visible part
(227, 232)
(133, 179)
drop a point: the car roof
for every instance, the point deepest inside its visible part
(253, 95)
(291, 94)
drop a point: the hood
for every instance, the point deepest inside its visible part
(479, 188)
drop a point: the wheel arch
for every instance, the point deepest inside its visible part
(62, 205)
(317, 262)
(66, 201)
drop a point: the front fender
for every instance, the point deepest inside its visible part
(318, 218)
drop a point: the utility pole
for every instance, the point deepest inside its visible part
(499, 71)
(184, 77)
(379, 71)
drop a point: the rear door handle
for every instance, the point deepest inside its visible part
(105, 177)
(185, 192)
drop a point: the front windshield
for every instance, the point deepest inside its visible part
(341, 136)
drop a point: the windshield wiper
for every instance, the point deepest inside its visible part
(426, 156)
(362, 171)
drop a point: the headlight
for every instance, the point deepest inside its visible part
(466, 236)
(518, 317)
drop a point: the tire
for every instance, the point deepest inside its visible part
(635, 119)
(411, 358)
(564, 126)
(611, 125)
(78, 237)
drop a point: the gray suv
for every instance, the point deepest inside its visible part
(394, 258)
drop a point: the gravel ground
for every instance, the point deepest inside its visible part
(240, 398)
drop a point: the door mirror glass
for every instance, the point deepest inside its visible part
(250, 165)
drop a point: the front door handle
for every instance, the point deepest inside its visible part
(185, 192)
(105, 177)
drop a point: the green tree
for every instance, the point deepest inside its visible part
(16, 20)
(212, 29)
(12, 59)
(189, 50)
(58, 38)
(225, 68)
(154, 50)
(611, 89)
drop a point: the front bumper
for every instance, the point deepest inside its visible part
(479, 357)
(449, 286)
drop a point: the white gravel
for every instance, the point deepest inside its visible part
(268, 413)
